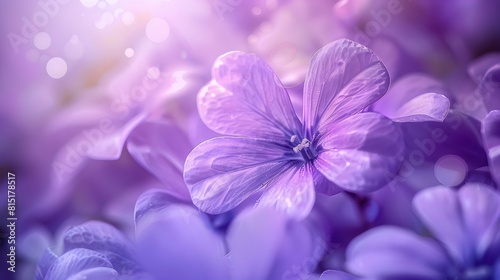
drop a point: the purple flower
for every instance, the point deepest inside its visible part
(466, 224)
(491, 139)
(269, 151)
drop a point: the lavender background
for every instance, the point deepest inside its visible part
(98, 113)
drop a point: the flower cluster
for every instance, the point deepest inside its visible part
(253, 140)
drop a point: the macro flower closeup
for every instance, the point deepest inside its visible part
(270, 150)
(250, 140)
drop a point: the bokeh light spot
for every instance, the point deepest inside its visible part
(450, 170)
(56, 67)
(157, 30)
(128, 18)
(32, 55)
(42, 40)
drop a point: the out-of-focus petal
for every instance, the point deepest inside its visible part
(245, 98)
(80, 260)
(337, 275)
(393, 252)
(161, 148)
(105, 239)
(414, 98)
(489, 88)
(177, 241)
(222, 172)
(439, 209)
(491, 139)
(344, 78)
(361, 153)
(291, 192)
(480, 66)
(266, 244)
(481, 215)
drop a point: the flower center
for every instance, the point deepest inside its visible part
(304, 147)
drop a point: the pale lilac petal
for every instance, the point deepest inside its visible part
(414, 98)
(337, 275)
(439, 209)
(344, 78)
(161, 148)
(480, 66)
(79, 260)
(394, 252)
(176, 240)
(265, 244)
(222, 172)
(105, 239)
(246, 98)
(292, 192)
(491, 140)
(361, 153)
(481, 215)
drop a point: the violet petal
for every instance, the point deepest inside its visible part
(361, 153)
(222, 172)
(291, 192)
